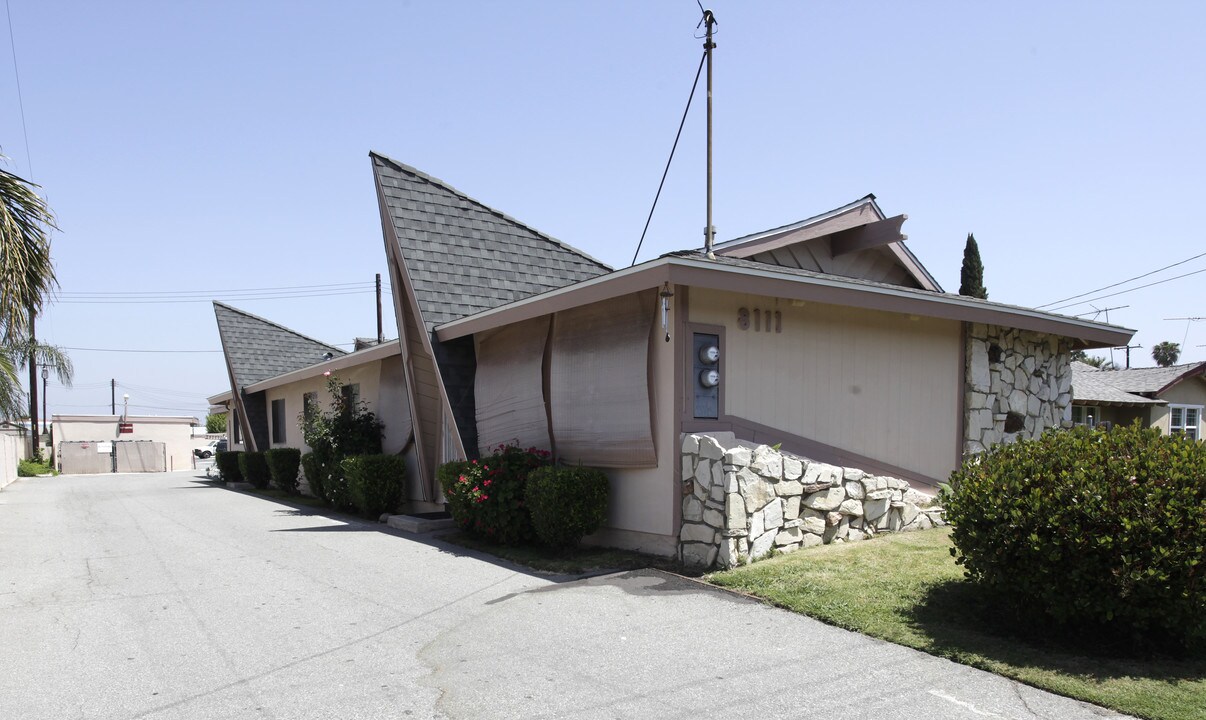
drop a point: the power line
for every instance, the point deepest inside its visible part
(674, 147)
(183, 293)
(167, 300)
(120, 350)
(1123, 282)
(20, 98)
(1123, 292)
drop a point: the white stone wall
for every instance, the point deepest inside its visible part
(1019, 383)
(741, 502)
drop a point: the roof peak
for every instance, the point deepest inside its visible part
(411, 170)
(266, 321)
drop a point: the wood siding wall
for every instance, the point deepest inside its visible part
(879, 384)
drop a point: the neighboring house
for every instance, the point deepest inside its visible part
(280, 374)
(133, 443)
(826, 336)
(1169, 398)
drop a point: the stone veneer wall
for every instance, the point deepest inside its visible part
(1018, 384)
(741, 501)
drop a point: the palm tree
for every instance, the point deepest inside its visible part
(26, 280)
(26, 273)
(16, 356)
(1166, 353)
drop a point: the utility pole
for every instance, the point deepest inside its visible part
(709, 231)
(380, 332)
(1128, 349)
(35, 435)
(113, 396)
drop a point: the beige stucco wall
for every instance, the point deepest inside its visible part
(382, 388)
(174, 433)
(9, 457)
(884, 385)
(1187, 392)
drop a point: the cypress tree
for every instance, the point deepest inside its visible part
(971, 279)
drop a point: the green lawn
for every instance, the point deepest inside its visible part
(907, 589)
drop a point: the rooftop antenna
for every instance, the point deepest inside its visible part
(709, 21)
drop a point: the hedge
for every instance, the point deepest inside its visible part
(283, 464)
(228, 466)
(1094, 532)
(254, 468)
(375, 482)
(566, 503)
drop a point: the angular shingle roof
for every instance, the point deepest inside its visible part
(1150, 380)
(464, 257)
(1091, 385)
(258, 349)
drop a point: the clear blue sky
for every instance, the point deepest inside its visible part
(221, 146)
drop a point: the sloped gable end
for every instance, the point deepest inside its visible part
(463, 257)
(257, 349)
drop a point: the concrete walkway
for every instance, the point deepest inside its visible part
(161, 596)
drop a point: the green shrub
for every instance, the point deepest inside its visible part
(34, 468)
(486, 496)
(254, 469)
(566, 503)
(1089, 531)
(315, 470)
(228, 466)
(282, 467)
(375, 482)
(343, 429)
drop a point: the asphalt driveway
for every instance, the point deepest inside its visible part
(162, 596)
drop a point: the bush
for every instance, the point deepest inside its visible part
(375, 482)
(282, 467)
(566, 503)
(1089, 531)
(34, 468)
(254, 468)
(315, 470)
(343, 430)
(486, 496)
(228, 465)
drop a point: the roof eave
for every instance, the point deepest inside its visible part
(699, 272)
(360, 357)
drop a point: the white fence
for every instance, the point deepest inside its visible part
(10, 453)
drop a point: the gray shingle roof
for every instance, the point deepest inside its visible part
(258, 349)
(1149, 380)
(464, 257)
(1093, 386)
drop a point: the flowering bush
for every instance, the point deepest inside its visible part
(486, 496)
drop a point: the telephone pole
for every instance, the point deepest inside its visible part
(709, 230)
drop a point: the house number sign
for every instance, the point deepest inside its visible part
(764, 320)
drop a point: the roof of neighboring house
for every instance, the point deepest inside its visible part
(738, 275)
(1153, 380)
(1093, 386)
(462, 256)
(257, 349)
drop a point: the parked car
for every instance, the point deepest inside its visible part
(214, 447)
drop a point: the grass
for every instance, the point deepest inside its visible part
(578, 561)
(907, 589)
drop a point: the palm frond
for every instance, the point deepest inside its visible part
(27, 274)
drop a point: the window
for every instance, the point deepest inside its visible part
(1085, 415)
(278, 420)
(236, 434)
(309, 405)
(351, 395)
(1185, 420)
